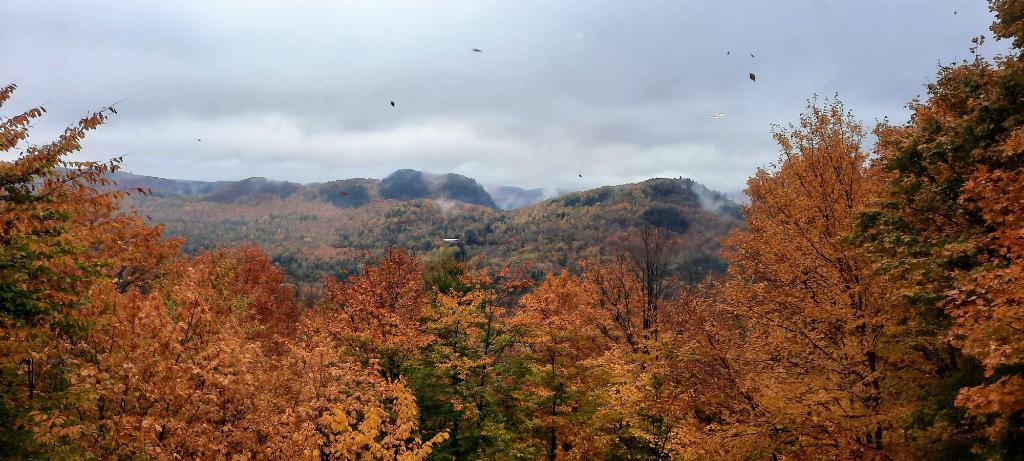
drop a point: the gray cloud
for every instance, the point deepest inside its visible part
(614, 90)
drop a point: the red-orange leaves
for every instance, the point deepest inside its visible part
(988, 307)
(379, 315)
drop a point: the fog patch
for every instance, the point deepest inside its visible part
(434, 181)
(553, 192)
(448, 207)
(714, 201)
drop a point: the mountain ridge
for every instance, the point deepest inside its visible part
(403, 184)
(354, 192)
(329, 228)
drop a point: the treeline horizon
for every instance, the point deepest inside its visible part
(872, 308)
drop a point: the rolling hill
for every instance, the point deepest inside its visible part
(328, 228)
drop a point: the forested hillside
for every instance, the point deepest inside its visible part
(871, 305)
(329, 228)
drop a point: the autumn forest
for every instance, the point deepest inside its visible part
(868, 303)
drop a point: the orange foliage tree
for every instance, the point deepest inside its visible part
(381, 313)
(989, 309)
(60, 235)
(113, 346)
(949, 227)
(822, 343)
(603, 351)
(555, 346)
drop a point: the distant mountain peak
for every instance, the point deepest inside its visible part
(407, 184)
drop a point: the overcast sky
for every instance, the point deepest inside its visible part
(618, 91)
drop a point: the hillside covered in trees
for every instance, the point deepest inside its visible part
(330, 228)
(872, 307)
